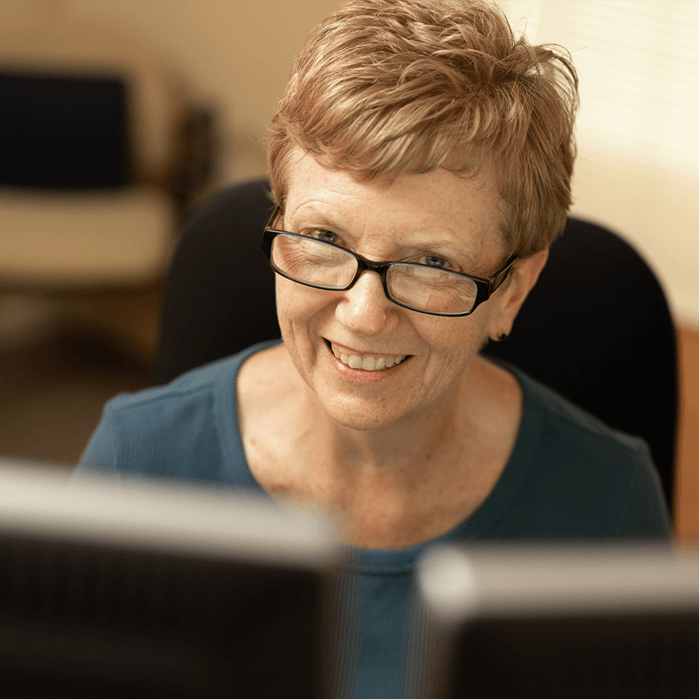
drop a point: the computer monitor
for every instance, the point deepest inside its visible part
(557, 621)
(153, 589)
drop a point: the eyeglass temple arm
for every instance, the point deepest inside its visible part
(500, 276)
(275, 213)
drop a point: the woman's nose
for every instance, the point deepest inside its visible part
(364, 308)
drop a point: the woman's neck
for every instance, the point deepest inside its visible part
(448, 444)
(402, 453)
(403, 484)
(393, 486)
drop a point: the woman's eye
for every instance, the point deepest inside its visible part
(435, 261)
(323, 235)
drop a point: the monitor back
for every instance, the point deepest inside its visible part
(104, 594)
(548, 622)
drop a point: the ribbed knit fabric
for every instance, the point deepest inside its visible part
(569, 476)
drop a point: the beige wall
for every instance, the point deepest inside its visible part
(655, 209)
(237, 53)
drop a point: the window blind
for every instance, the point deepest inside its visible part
(638, 64)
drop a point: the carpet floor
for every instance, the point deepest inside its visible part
(52, 393)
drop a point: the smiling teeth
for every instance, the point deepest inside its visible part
(369, 363)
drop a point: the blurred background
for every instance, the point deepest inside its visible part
(173, 97)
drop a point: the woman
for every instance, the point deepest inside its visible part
(422, 134)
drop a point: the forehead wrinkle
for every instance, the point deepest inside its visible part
(335, 197)
(342, 205)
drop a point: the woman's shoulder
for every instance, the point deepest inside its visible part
(594, 463)
(185, 428)
(572, 475)
(559, 414)
(218, 376)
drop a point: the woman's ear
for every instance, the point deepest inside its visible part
(514, 291)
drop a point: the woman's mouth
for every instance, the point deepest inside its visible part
(365, 362)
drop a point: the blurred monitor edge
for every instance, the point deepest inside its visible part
(557, 620)
(138, 588)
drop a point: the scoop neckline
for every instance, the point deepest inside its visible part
(403, 560)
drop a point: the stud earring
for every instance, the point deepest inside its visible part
(501, 337)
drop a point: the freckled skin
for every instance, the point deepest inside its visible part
(383, 222)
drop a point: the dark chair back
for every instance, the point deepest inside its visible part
(596, 327)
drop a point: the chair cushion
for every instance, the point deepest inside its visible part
(68, 240)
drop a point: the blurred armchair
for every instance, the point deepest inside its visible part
(104, 148)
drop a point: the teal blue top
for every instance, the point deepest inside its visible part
(569, 476)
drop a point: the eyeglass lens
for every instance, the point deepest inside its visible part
(424, 288)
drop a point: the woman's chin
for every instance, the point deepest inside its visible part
(365, 413)
(360, 421)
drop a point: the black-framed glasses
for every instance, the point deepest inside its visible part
(423, 288)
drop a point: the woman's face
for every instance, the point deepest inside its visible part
(415, 218)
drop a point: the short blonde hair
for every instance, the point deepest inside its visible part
(386, 87)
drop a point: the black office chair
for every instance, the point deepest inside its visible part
(596, 327)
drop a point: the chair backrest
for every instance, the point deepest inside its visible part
(89, 105)
(63, 131)
(104, 145)
(596, 327)
(55, 42)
